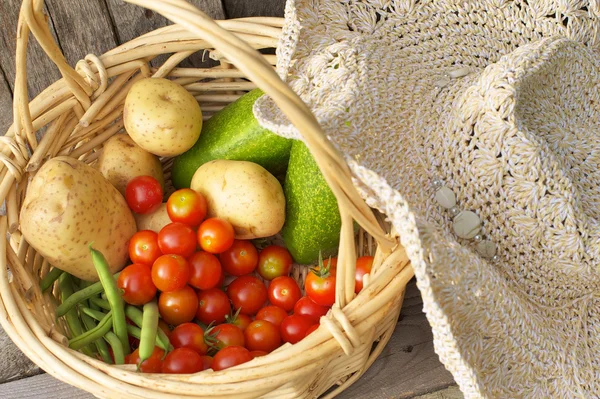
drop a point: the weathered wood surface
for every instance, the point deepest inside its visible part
(407, 367)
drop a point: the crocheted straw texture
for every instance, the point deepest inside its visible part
(513, 131)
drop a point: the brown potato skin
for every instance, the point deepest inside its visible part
(153, 221)
(122, 160)
(69, 205)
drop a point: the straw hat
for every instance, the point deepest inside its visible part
(475, 126)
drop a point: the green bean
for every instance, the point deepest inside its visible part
(94, 314)
(149, 327)
(79, 296)
(114, 297)
(100, 343)
(136, 333)
(50, 278)
(95, 333)
(65, 283)
(117, 347)
(101, 303)
(136, 316)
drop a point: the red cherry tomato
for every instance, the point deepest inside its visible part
(216, 235)
(307, 307)
(273, 314)
(284, 292)
(170, 273)
(230, 356)
(363, 266)
(320, 283)
(312, 329)
(189, 335)
(248, 294)
(182, 361)
(151, 365)
(213, 306)
(226, 335)
(187, 206)
(240, 320)
(256, 354)
(143, 247)
(274, 261)
(177, 307)
(206, 270)
(207, 361)
(294, 328)
(262, 335)
(240, 259)
(178, 239)
(165, 327)
(143, 194)
(136, 282)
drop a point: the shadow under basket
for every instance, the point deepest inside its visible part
(84, 109)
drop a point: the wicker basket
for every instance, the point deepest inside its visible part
(82, 110)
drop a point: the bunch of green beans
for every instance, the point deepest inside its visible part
(96, 316)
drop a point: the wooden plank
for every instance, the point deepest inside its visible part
(130, 21)
(41, 386)
(41, 72)
(253, 8)
(5, 104)
(14, 363)
(82, 27)
(449, 393)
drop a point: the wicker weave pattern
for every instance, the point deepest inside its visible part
(84, 109)
(518, 144)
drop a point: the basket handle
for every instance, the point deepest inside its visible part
(335, 171)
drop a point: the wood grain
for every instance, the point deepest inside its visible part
(253, 8)
(41, 72)
(449, 393)
(5, 104)
(82, 27)
(130, 21)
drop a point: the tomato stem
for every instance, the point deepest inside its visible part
(322, 270)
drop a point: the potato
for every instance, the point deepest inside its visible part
(243, 193)
(122, 160)
(162, 117)
(153, 221)
(70, 205)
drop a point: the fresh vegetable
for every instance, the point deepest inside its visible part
(143, 194)
(262, 335)
(205, 270)
(135, 281)
(309, 308)
(311, 330)
(274, 261)
(215, 235)
(240, 259)
(143, 247)
(177, 238)
(187, 206)
(122, 160)
(154, 221)
(213, 306)
(245, 194)
(234, 133)
(363, 266)
(272, 314)
(239, 320)
(255, 354)
(207, 361)
(50, 278)
(320, 283)
(313, 222)
(230, 357)
(135, 335)
(178, 307)
(65, 283)
(182, 361)
(151, 365)
(162, 117)
(170, 273)
(294, 328)
(248, 294)
(70, 204)
(225, 335)
(118, 351)
(100, 344)
(149, 327)
(92, 335)
(189, 335)
(114, 298)
(81, 295)
(284, 292)
(136, 316)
